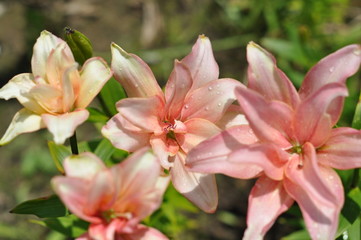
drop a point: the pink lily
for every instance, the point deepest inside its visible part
(56, 93)
(175, 121)
(290, 143)
(114, 200)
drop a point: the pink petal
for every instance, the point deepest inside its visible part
(342, 150)
(265, 78)
(116, 131)
(201, 63)
(144, 113)
(267, 200)
(211, 156)
(105, 231)
(85, 166)
(312, 121)
(271, 121)
(74, 192)
(139, 190)
(145, 233)
(63, 126)
(42, 49)
(316, 190)
(201, 189)
(164, 148)
(210, 101)
(232, 117)
(94, 74)
(70, 76)
(133, 74)
(336, 67)
(48, 97)
(198, 130)
(19, 87)
(24, 121)
(178, 85)
(266, 157)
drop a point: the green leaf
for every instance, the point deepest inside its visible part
(70, 225)
(58, 153)
(104, 150)
(96, 115)
(299, 235)
(356, 123)
(111, 93)
(44, 207)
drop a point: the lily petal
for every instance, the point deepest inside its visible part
(146, 233)
(211, 156)
(198, 130)
(313, 122)
(201, 63)
(46, 43)
(94, 74)
(164, 148)
(268, 80)
(19, 87)
(210, 101)
(201, 189)
(317, 198)
(144, 113)
(24, 121)
(336, 67)
(270, 120)
(85, 166)
(48, 97)
(178, 85)
(123, 138)
(342, 150)
(63, 126)
(267, 200)
(232, 117)
(133, 74)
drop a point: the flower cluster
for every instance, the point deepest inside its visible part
(199, 126)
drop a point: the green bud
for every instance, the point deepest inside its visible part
(79, 44)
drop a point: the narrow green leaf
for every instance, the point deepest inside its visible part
(111, 93)
(96, 115)
(58, 153)
(299, 235)
(104, 150)
(354, 232)
(356, 123)
(70, 225)
(44, 207)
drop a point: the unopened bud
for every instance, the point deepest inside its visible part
(79, 45)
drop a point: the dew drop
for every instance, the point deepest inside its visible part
(345, 235)
(210, 88)
(186, 106)
(357, 52)
(219, 104)
(218, 93)
(331, 69)
(217, 86)
(136, 85)
(206, 108)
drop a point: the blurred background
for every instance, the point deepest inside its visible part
(298, 32)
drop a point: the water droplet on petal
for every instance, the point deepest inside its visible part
(186, 106)
(217, 86)
(136, 85)
(218, 93)
(331, 69)
(219, 104)
(206, 108)
(210, 88)
(357, 52)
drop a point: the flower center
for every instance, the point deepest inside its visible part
(297, 149)
(169, 129)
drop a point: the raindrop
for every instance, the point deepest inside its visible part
(186, 106)
(136, 85)
(219, 104)
(206, 108)
(218, 92)
(332, 69)
(357, 52)
(217, 86)
(210, 88)
(345, 235)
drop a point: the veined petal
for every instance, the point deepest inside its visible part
(69, 76)
(48, 97)
(123, 138)
(232, 117)
(19, 87)
(24, 121)
(315, 191)
(94, 74)
(164, 148)
(198, 130)
(178, 85)
(201, 63)
(265, 78)
(85, 166)
(313, 122)
(271, 121)
(336, 67)
(133, 74)
(211, 100)
(144, 113)
(145, 233)
(211, 156)
(199, 188)
(342, 150)
(267, 200)
(42, 48)
(74, 192)
(265, 156)
(63, 126)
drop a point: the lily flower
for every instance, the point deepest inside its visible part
(175, 121)
(56, 93)
(114, 200)
(290, 142)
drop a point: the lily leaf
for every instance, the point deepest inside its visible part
(44, 207)
(111, 93)
(58, 153)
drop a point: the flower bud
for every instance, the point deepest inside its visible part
(79, 44)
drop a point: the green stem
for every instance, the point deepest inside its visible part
(74, 144)
(355, 178)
